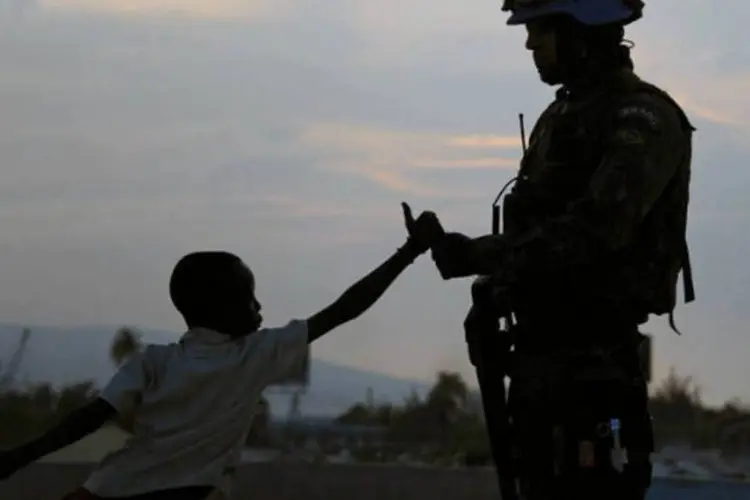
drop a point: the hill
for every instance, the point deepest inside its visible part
(61, 355)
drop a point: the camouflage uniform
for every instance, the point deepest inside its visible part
(599, 211)
(593, 241)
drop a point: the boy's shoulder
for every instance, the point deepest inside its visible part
(273, 341)
(294, 330)
(156, 354)
(293, 327)
(155, 350)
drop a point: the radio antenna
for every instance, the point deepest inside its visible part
(496, 203)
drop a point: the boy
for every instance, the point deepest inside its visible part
(189, 405)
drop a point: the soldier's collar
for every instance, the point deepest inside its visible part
(596, 84)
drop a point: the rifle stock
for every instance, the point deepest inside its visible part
(489, 352)
(492, 389)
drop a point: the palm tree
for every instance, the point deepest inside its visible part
(449, 396)
(125, 343)
(9, 371)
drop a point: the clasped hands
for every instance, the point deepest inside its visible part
(452, 253)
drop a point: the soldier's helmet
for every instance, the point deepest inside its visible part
(588, 12)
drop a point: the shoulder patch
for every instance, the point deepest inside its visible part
(640, 112)
(630, 136)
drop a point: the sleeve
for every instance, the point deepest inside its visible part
(280, 349)
(125, 388)
(642, 156)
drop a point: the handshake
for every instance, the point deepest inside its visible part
(454, 254)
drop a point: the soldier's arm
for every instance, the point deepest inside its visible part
(642, 157)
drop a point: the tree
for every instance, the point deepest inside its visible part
(448, 397)
(125, 343)
(8, 374)
(258, 435)
(447, 421)
(74, 396)
(678, 412)
(680, 392)
(357, 414)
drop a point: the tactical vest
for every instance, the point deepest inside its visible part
(566, 147)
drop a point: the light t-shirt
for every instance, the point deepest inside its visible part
(189, 406)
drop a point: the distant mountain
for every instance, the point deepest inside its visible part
(63, 355)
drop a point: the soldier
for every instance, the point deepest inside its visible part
(593, 243)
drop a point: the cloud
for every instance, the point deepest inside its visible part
(201, 9)
(716, 95)
(408, 186)
(429, 34)
(296, 207)
(467, 164)
(485, 141)
(698, 64)
(706, 110)
(135, 131)
(393, 143)
(407, 161)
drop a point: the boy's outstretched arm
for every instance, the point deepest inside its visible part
(423, 233)
(118, 398)
(75, 426)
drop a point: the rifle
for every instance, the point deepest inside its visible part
(489, 352)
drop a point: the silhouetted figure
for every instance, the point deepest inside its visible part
(189, 405)
(592, 244)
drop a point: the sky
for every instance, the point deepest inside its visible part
(288, 132)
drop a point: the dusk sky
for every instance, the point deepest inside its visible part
(288, 131)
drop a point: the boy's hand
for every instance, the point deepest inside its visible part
(424, 232)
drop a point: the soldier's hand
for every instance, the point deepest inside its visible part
(424, 232)
(453, 255)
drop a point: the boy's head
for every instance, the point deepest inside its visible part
(216, 290)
